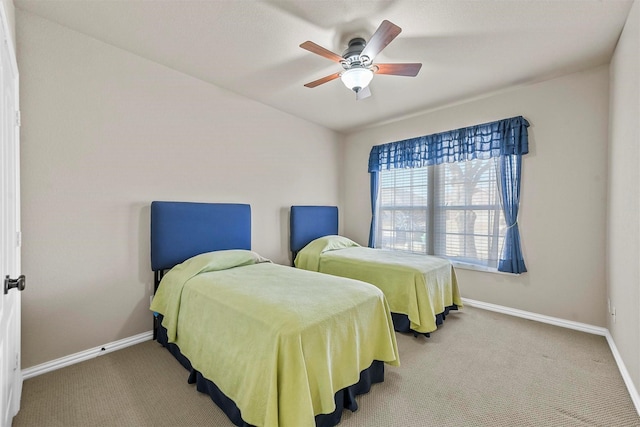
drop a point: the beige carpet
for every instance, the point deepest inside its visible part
(480, 369)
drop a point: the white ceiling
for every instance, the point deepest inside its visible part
(467, 48)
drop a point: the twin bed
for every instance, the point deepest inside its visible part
(420, 290)
(272, 345)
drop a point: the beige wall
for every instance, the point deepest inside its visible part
(623, 225)
(563, 194)
(104, 133)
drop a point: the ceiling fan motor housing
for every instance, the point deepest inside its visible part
(352, 54)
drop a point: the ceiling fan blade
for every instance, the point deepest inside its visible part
(408, 70)
(363, 93)
(323, 80)
(384, 35)
(319, 50)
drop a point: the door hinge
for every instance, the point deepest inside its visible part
(18, 119)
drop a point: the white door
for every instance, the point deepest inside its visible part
(10, 374)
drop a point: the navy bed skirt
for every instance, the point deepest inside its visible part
(401, 322)
(345, 398)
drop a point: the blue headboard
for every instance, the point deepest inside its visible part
(180, 230)
(308, 223)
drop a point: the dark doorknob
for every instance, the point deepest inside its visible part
(19, 283)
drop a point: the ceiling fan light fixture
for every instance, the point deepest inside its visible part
(357, 61)
(356, 79)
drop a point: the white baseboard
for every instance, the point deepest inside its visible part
(596, 330)
(584, 327)
(633, 391)
(85, 355)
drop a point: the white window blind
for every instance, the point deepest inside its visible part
(403, 210)
(451, 210)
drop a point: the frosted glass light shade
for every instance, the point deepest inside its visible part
(357, 78)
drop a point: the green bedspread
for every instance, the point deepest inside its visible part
(419, 286)
(278, 341)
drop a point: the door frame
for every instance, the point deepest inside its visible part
(11, 119)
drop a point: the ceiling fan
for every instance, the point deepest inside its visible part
(357, 61)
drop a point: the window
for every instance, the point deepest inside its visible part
(451, 210)
(451, 194)
(403, 210)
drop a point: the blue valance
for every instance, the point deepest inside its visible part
(504, 137)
